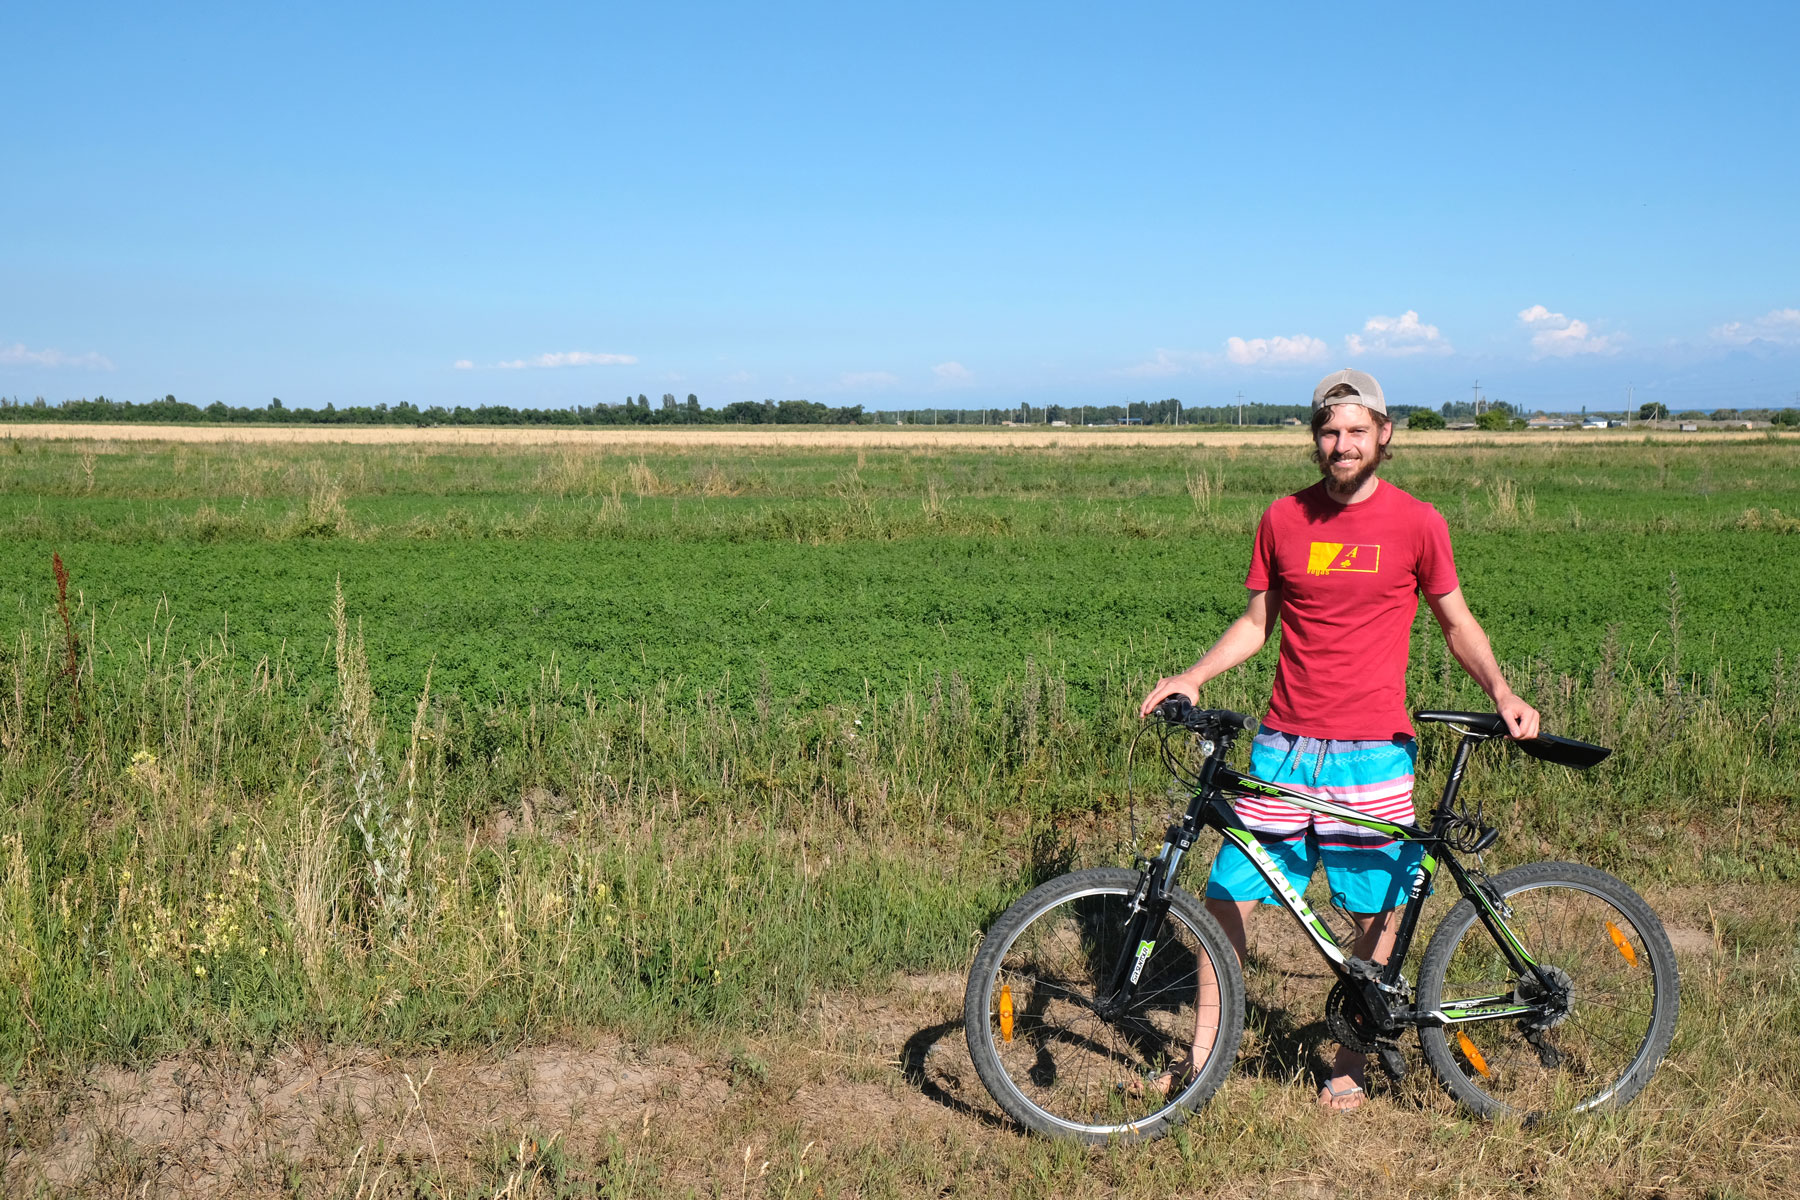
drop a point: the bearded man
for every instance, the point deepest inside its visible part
(1339, 567)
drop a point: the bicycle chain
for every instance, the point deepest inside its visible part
(1348, 1020)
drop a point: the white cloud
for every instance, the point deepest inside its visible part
(567, 358)
(1554, 335)
(739, 377)
(953, 374)
(463, 364)
(1275, 351)
(16, 355)
(1397, 337)
(1779, 325)
(869, 379)
(1167, 363)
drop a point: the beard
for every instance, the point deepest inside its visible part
(1337, 486)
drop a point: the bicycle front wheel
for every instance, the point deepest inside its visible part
(1591, 1039)
(1062, 1060)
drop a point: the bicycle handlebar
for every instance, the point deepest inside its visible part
(1179, 710)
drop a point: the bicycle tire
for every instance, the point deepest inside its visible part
(1624, 998)
(1067, 1071)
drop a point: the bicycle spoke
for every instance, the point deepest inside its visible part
(1070, 1060)
(1584, 943)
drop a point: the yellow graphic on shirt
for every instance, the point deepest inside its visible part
(1328, 557)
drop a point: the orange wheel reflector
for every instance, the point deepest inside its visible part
(1006, 1013)
(1622, 942)
(1472, 1054)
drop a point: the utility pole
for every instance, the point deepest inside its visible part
(1476, 388)
(1240, 399)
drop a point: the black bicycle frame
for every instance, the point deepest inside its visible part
(1210, 808)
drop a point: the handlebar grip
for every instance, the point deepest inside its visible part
(1175, 709)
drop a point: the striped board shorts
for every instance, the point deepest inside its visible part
(1367, 871)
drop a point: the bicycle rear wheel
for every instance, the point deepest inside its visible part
(1046, 1046)
(1602, 946)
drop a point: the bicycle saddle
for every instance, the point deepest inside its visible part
(1561, 750)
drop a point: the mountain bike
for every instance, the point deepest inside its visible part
(1108, 1004)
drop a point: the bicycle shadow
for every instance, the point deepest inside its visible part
(1283, 1051)
(958, 1074)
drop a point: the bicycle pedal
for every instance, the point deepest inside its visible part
(1392, 1061)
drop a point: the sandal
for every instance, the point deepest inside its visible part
(1162, 1084)
(1354, 1094)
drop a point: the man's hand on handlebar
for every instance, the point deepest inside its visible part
(1174, 685)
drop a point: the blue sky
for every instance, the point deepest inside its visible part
(899, 205)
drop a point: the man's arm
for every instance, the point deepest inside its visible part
(1469, 644)
(1244, 638)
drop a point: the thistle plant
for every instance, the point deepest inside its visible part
(386, 826)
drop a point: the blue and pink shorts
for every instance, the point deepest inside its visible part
(1367, 871)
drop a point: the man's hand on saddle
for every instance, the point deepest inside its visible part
(1182, 684)
(1521, 719)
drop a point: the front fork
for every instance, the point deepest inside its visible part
(1149, 907)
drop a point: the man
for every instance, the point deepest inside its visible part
(1340, 566)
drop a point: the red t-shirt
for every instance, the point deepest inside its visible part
(1350, 577)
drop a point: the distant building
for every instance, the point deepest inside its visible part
(1689, 427)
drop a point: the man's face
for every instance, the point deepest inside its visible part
(1349, 447)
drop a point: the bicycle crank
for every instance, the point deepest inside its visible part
(1349, 1020)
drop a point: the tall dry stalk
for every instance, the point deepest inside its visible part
(644, 480)
(325, 511)
(312, 884)
(1203, 489)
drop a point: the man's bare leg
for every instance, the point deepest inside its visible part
(1233, 917)
(1349, 1070)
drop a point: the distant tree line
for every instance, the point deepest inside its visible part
(639, 410)
(1151, 412)
(636, 410)
(1498, 414)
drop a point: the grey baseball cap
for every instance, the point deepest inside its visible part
(1368, 392)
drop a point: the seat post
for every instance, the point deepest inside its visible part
(1453, 784)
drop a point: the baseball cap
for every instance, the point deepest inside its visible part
(1368, 392)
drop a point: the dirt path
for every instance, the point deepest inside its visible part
(882, 1078)
(349, 1120)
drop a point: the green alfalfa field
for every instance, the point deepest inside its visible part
(567, 820)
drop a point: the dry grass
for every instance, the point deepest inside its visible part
(875, 1097)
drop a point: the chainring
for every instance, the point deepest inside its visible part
(1348, 1020)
